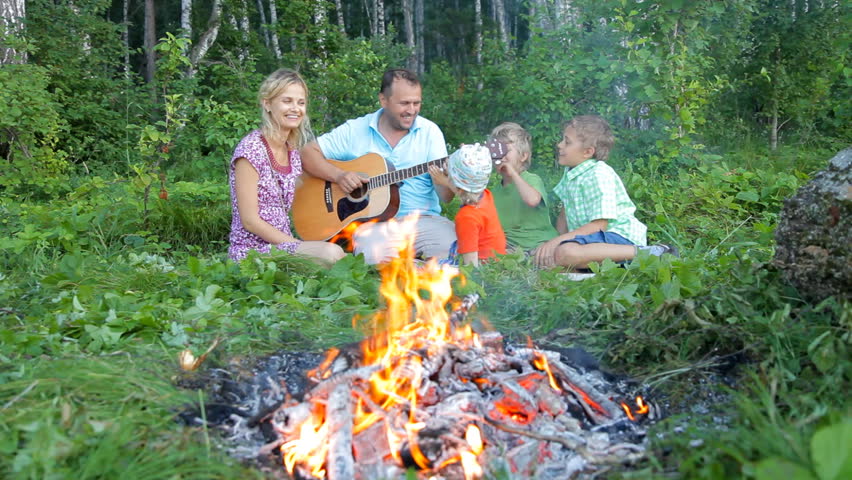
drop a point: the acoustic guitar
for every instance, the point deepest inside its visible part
(321, 209)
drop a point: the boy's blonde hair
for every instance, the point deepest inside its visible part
(594, 132)
(273, 86)
(469, 198)
(511, 132)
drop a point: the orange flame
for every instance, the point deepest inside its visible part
(344, 237)
(540, 363)
(413, 325)
(310, 448)
(473, 437)
(641, 408)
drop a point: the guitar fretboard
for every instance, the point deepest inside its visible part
(397, 176)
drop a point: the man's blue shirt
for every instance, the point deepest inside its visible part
(424, 142)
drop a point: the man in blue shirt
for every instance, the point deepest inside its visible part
(403, 138)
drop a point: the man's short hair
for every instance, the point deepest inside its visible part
(394, 74)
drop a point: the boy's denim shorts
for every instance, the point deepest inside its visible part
(599, 237)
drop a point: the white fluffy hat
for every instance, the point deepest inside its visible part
(470, 167)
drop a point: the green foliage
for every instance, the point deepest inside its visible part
(794, 68)
(82, 54)
(30, 128)
(348, 84)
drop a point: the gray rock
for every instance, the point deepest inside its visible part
(814, 234)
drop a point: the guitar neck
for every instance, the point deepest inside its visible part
(397, 176)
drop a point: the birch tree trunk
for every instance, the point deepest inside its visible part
(477, 8)
(502, 22)
(338, 6)
(320, 20)
(380, 17)
(773, 128)
(186, 18)
(85, 37)
(264, 26)
(150, 41)
(273, 19)
(419, 38)
(244, 29)
(540, 14)
(125, 37)
(565, 13)
(408, 24)
(207, 38)
(12, 16)
(370, 8)
(186, 21)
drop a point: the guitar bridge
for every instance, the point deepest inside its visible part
(329, 204)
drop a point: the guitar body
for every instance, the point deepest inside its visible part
(321, 209)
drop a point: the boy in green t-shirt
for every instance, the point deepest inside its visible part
(520, 197)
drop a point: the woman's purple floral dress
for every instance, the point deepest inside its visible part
(274, 196)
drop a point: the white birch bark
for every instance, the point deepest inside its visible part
(273, 20)
(207, 38)
(502, 22)
(186, 22)
(380, 17)
(320, 21)
(86, 38)
(150, 41)
(408, 24)
(540, 14)
(12, 16)
(477, 8)
(125, 36)
(186, 18)
(338, 6)
(419, 38)
(245, 29)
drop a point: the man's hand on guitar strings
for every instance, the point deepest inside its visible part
(349, 181)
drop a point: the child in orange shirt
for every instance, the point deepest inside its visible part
(480, 235)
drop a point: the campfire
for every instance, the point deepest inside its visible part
(424, 391)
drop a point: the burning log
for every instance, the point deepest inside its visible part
(341, 465)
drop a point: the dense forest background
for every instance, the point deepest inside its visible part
(118, 120)
(109, 83)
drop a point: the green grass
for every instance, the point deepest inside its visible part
(101, 417)
(95, 306)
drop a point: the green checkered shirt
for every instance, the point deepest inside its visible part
(591, 191)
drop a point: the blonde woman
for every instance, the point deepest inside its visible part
(264, 169)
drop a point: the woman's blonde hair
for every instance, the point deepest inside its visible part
(511, 132)
(273, 86)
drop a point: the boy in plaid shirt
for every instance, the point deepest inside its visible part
(597, 220)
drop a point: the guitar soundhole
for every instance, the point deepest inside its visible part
(347, 206)
(359, 193)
